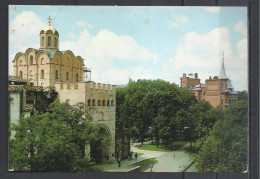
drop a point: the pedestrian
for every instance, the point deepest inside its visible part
(173, 153)
(151, 167)
(119, 160)
(135, 156)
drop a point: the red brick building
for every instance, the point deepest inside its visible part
(217, 90)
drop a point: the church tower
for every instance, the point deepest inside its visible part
(49, 37)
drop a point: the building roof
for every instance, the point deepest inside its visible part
(121, 86)
(49, 27)
(229, 85)
(15, 79)
(222, 73)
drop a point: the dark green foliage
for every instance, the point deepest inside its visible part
(152, 105)
(243, 95)
(54, 141)
(225, 149)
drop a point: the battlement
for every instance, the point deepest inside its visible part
(87, 85)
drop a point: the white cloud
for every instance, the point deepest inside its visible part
(72, 35)
(211, 9)
(241, 27)
(178, 21)
(103, 50)
(202, 53)
(84, 24)
(23, 32)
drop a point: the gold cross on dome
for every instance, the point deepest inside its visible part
(49, 20)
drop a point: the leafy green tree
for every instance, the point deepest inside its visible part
(200, 120)
(242, 95)
(54, 141)
(153, 104)
(225, 149)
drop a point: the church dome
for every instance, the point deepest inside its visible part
(49, 27)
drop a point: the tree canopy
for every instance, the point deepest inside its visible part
(225, 148)
(54, 141)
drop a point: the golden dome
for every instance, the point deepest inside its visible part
(49, 27)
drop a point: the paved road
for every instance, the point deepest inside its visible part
(166, 161)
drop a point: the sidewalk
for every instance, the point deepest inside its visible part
(166, 162)
(125, 165)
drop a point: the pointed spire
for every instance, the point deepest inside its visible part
(222, 73)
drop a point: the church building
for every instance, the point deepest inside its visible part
(217, 90)
(56, 73)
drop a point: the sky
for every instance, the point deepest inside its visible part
(119, 43)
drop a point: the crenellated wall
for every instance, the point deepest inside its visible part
(101, 98)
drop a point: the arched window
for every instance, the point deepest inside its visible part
(77, 77)
(112, 102)
(20, 62)
(31, 60)
(21, 74)
(56, 74)
(42, 41)
(108, 103)
(99, 102)
(49, 41)
(42, 74)
(67, 76)
(104, 102)
(42, 61)
(89, 102)
(93, 102)
(55, 42)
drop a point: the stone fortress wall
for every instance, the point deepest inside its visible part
(101, 98)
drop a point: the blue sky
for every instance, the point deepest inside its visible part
(119, 43)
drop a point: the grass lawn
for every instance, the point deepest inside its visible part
(154, 148)
(145, 164)
(139, 154)
(172, 147)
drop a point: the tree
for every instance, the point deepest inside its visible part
(225, 149)
(147, 104)
(200, 121)
(54, 141)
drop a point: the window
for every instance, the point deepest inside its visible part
(108, 103)
(77, 77)
(42, 74)
(55, 42)
(89, 102)
(112, 102)
(49, 41)
(104, 102)
(31, 60)
(42, 61)
(93, 102)
(67, 76)
(99, 102)
(21, 74)
(20, 62)
(56, 74)
(42, 41)
(221, 101)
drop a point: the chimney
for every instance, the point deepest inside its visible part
(196, 75)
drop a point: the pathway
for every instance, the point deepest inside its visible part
(166, 162)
